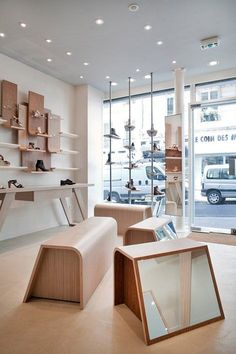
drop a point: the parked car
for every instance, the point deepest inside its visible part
(218, 184)
(141, 176)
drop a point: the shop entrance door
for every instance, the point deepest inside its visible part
(212, 151)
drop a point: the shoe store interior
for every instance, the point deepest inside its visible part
(117, 159)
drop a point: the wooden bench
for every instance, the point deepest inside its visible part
(70, 265)
(124, 214)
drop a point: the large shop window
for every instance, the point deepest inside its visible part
(163, 105)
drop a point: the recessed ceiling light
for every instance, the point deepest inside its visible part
(114, 83)
(48, 40)
(22, 24)
(99, 21)
(132, 79)
(137, 70)
(2, 34)
(147, 27)
(86, 63)
(159, 42)
(49, 60)
(68, 53)
(81, 77)
(147, 76)
(213, 62)
(173, 61)
(107, 77)
(133, 7)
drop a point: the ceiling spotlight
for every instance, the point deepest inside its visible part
(99, 21)
(22, 24)
(137, 70)
(49, 60)
(2, 35)
(173, 61)
(48, 40)
(68, 53)
(147, 76)
(81, 77)
(213, 62)
(147, 27)
(114, 83)
(86, 63)
(159, 42)
(107, 77)
(133, 7)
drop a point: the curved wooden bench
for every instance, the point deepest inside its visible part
(124, 214)
(70, 265)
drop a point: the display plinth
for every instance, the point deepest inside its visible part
(170, 286)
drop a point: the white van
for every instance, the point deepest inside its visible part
(218, 184)
(141, 177)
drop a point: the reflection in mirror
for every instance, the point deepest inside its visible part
(178, 291)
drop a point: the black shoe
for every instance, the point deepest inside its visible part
(67, 182)
(113, 132)
(157, 191)
(14, 183)
(40, 166)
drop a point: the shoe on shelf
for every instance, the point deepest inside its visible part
(37, 114)
(2, 187)
(108, 159)
(157, 191)
(31, 146)
(40, 166)
(3, 162)
(38, 130)
(15, 120)
(113, 132)
(67, 182)
(13, 182)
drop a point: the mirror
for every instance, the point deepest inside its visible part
(177, 291)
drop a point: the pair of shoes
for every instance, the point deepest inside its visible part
(40, 166)
(157, 191)
(14, 183)
(3, 162)
(37, 114)
(67, 182)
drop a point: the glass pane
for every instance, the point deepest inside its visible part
(178, 292)
(214, 167)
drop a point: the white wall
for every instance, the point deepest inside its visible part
(89, 107)
(60, 98)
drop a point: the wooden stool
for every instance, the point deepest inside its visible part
(70, 265)
(124, 214)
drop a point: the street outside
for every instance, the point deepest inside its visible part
(221, 216)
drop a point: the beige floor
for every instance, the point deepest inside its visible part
(51, 327)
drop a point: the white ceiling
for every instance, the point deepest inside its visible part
(121, 45)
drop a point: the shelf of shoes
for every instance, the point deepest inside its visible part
(26, 149)
(68, 135)
(9, 145)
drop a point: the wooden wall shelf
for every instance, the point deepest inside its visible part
(66, 168)
(17, 128)
(66, 152)
(2, 121)
(13, 167)
(43, 135)
(68, 135)
(25, 149)
(9, 145)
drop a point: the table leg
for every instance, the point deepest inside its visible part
(7, 199)
(79, 201)
(66, 210)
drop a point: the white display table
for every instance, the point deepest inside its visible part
(32, 194)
